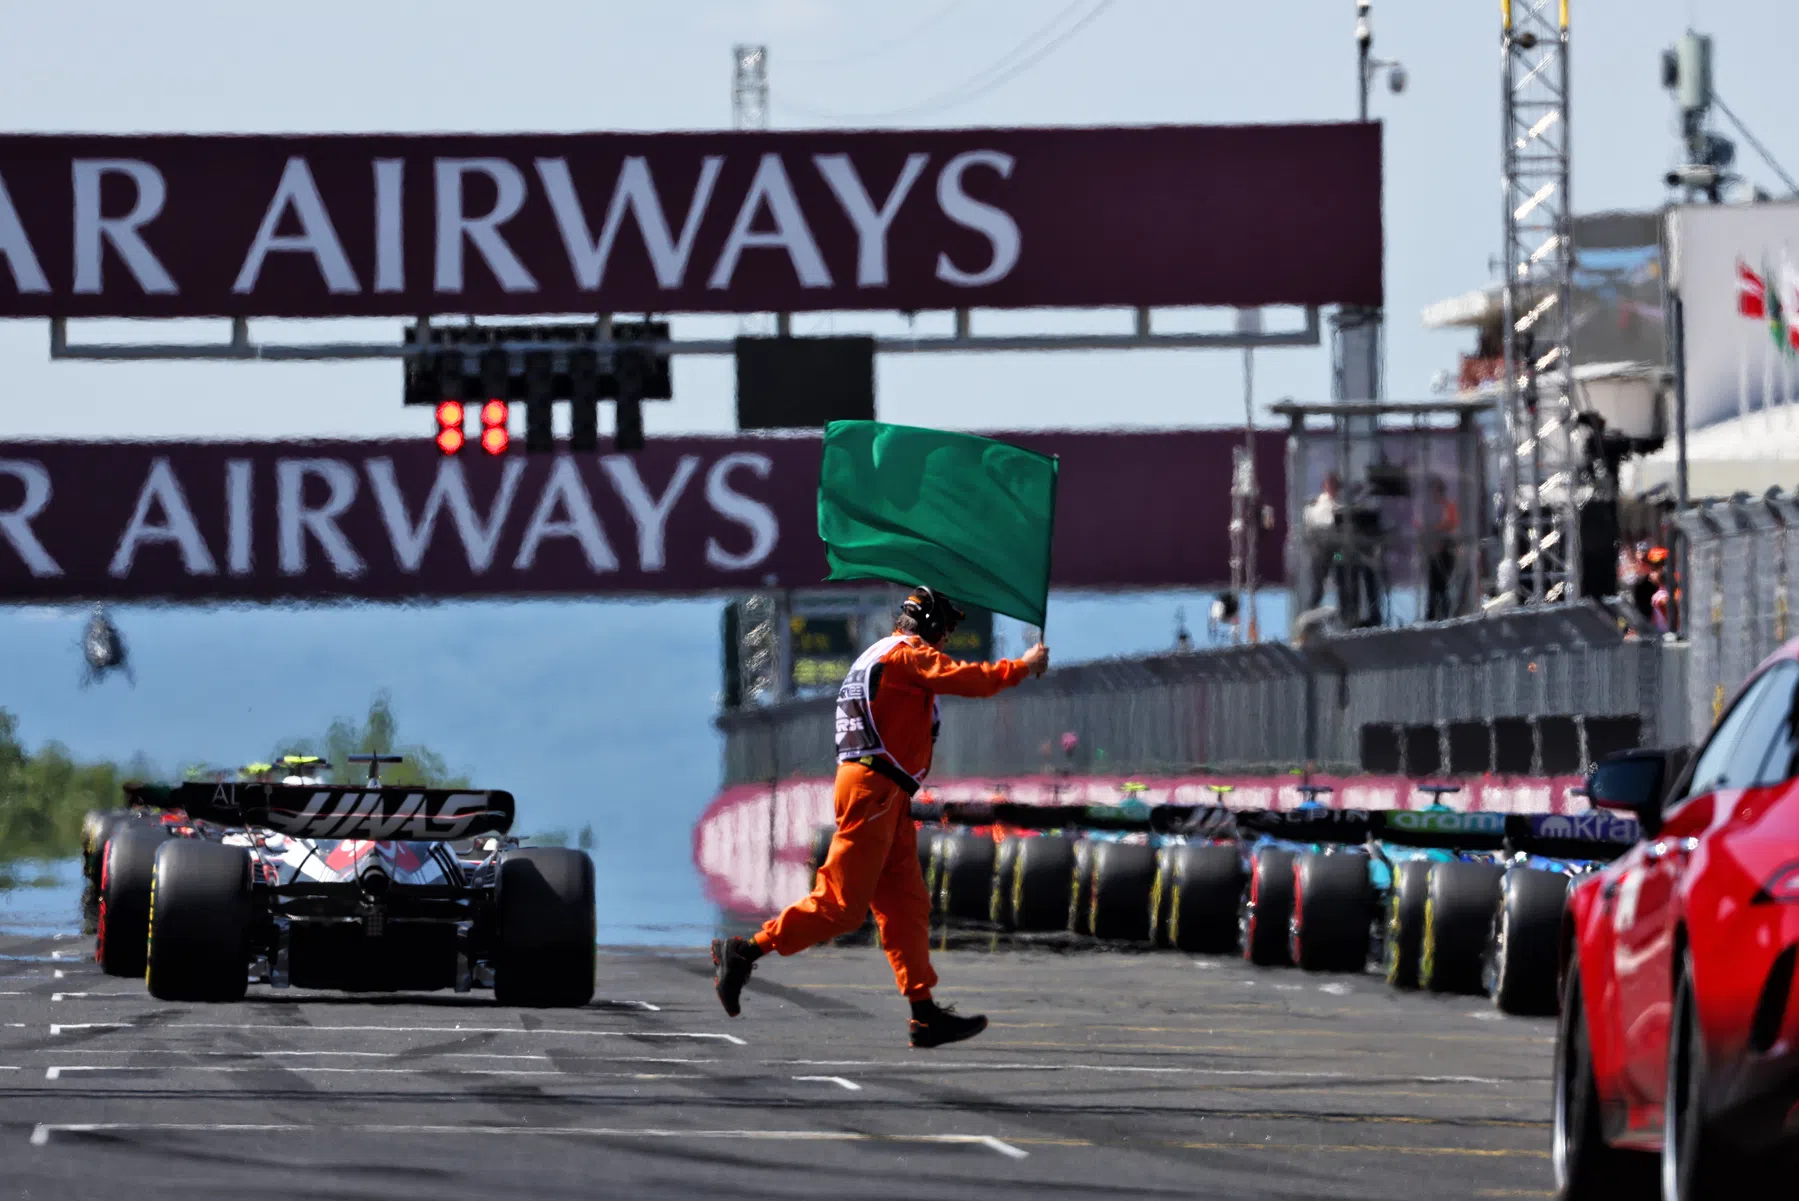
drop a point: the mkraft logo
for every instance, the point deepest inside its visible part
(1447, 823)
(1592, 826)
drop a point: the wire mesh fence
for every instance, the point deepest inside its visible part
(1741, 555)
(1536, 692)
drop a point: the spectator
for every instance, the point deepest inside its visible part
(1443, 522)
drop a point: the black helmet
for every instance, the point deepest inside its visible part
(932, 613)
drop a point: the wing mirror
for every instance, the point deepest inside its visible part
(1637, 782)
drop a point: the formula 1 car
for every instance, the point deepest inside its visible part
(1679, 1036)
(358, 888)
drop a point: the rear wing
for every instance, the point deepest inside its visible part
(1439, 830)
(1597, 836)
(1212, 821)
(1311, 823)
(339, 811)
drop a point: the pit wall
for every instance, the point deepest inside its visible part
(751, 845)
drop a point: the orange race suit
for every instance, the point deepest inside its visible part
(887, 723)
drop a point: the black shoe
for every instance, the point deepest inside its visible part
(945, 1025)
(731, 968)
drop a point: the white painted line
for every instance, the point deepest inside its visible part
(14, 994)
(40, 1134)
(136, 1051)
(59, 1027)
(8, 1067)
(729, 1038)
(849, 1084)
(57, 1072)
(1335, 990)
(1204, 964)
(59, 973)
(633, 1004)
(16, 1025)
(63, 956)
(1487, 1015)
(1288, 987)
(57, 996)
(1263, 1073)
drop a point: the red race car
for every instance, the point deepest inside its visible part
(1677, 1056)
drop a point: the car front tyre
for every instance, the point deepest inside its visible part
(1587, 1168)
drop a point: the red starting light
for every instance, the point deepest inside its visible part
(450, 440)
(449, 413)
(494, 414)
(495, 439)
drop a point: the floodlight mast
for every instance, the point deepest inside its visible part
(1540, 560)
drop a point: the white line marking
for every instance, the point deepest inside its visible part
(57, 996)
(729, 1038)
(40, 1134)
(63, 956)
(58, 974)
(1487, 1015)
(56, 1073)
(849, 1084)
(637, 1004)
(134, 1051)
(1335, 990)
(14, 994)
(936, 1066)
(59, 1027)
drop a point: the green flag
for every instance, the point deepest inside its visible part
(966, 515)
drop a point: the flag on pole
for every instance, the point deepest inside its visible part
(1752, 293)
(969, 516)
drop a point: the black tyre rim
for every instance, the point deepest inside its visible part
(1681, 1120)
(1569, 1054)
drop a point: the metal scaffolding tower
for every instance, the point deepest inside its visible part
(1540, 558)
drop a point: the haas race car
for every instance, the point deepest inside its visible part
(360, 888)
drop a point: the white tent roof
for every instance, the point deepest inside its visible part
(1750, 453)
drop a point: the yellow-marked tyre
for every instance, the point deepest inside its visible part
(1458, 916)
(201, 913)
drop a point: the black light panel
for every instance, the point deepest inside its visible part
(804, 383)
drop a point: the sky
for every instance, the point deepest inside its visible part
(603, 708)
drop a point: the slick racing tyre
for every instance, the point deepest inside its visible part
(821, 846)
(1205, 893)
(1161, 896)
(1080, 893)
(1005, 867)
(96, 828)
(1405, 921)
(1587, 1168)
(1524, 949)
(1123, 874)
(544, 952)
(930, 860)
(1040, 884)
(1267, 909)
(1332, 924)
(201, 913)
(1458, 916)
(128, 864)
(965, 874)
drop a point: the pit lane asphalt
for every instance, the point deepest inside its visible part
(1105, 1074)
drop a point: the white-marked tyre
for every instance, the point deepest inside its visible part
(201, 913)
(1206, 891)
(1458, 917)
(1524, 950)
(1123, 874)
(122, 924)
(545, 947)
(1040, 883)
(1267, 908)
(1587, 1168)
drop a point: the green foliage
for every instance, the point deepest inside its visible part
(546, 838)
(43, 797)
(377, 734)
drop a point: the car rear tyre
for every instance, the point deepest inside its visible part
(1524, 950)
(97, 827)
(821, 846)
(128, 865)
(1458, 916)
(200, 917)
(1332, 913)
(1080, 894)
(545, 950)
(965, 874)
(1587, 1168)
(1206, 891)
(1040, 884)
(1005, 870)
(1268, 908)
(1123, 875)
(1405, 921)
(1161, 896)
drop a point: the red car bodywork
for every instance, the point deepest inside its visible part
(1695, 893)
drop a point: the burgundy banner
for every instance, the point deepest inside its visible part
(742, 871)
(402, 225)
(396, 519)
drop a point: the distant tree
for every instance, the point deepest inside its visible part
(378, 733)
(585, 842)
(44, 796)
